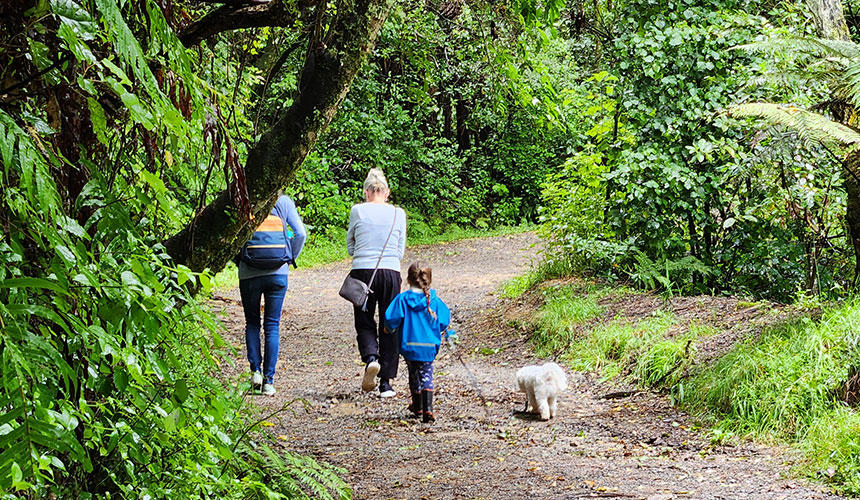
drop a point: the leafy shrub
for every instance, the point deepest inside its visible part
(664, 190)
(108, 364)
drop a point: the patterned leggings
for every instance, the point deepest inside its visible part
(420, 376)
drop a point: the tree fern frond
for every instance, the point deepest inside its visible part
(851, 83)
(817, 47)
(806, 123)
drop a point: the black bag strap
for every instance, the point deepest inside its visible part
(384, 246)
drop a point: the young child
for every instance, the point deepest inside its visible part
(421, 317)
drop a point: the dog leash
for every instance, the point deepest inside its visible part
(475, 383)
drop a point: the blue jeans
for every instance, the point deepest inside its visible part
(272, 287)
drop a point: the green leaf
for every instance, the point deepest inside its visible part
(18, 482)
(71, 225)
(35, 283)
(120, 379)
(130, 279)
(76, 17)
(180, 390)
(97, 117)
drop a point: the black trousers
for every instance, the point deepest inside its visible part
(372, 339)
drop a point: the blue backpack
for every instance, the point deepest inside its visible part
(269, 247)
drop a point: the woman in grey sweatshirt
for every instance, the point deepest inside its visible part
(369, 226)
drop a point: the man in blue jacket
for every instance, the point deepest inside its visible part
(263, 268)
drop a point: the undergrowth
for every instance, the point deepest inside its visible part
(547, 270)
(788, 384)
(616, 346)
(566, 308)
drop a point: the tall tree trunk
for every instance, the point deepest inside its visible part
(829, 19)
(463, 111)
(830, 23)
(212, 238)
(851, 179)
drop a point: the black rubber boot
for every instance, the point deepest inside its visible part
(415, 406)
(427, 406)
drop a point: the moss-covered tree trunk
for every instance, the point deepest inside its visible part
(830, 23)
(829, 19)
(851, 179)
(212, 238)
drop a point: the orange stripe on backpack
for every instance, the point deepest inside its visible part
(272, 223)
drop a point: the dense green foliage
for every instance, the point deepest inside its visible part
(432, 110)
(672, 193)
(109, 364)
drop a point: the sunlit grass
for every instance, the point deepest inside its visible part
(782, 385)
(613, 347)
(559, 319)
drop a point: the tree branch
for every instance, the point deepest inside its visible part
(232, 17)
(212, 238)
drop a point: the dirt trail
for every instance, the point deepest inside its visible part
(637, 447)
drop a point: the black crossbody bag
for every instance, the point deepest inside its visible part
(357, 291)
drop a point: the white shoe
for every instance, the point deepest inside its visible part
(256, 380)
(367, 381)
(385, 390)
(269, 390)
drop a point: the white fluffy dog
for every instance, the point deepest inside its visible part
(542, 384)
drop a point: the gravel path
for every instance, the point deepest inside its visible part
(636, 447)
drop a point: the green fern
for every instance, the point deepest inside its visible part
(808, 124)
(666, 274)
(816, 47)
(297, 476)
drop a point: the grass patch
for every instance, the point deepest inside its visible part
(517, 286)
(559, 318)
(832, 448)
(547, 270)
(612, 348)
(662, 363)
(785, 385)
(566, 308)
(778, 384)
(788, 384)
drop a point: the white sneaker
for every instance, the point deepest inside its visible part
(385, 390)
(370, 371)
(269, 390)
(256, 380)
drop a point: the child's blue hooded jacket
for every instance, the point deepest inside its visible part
(420, 334)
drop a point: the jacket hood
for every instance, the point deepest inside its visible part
(416, 301)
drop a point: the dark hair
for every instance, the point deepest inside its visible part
(421, 275)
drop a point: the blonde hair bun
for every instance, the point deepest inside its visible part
(375, 181)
